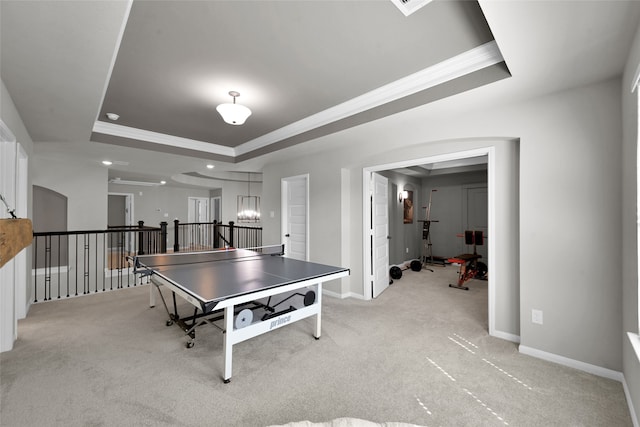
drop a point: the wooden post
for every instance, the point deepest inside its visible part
(176, 236)
(140, 238)
(163, 237)
(15, 235)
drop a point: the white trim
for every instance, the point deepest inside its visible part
(636, 79)
(506, 336)
(494, 276)
(491, 190)
(5, 133)
(576, 364)
(284, 218)
(337, 295)
(635, 343)
(161, 138)
(367, 275)
(465, 63)
(627, 395)
(42, 271)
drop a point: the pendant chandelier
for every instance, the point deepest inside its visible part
(234, 114)
(248, 206)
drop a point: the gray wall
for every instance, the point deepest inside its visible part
(447, 209)
(405, 241)
(83, 182)
(569, 147)
(629, 237)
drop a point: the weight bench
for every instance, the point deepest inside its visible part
(470, 267)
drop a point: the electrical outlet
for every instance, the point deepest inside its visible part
(407, 250)
(536, 316)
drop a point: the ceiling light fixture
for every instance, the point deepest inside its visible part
(234, 114)
(107, 162)
(129, 182)
(112, 116)
(210, 166)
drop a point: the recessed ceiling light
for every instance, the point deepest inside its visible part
(163, 182)
(107, 162)
(113, 116)
(210, 166)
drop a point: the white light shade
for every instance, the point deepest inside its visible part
(234, 114)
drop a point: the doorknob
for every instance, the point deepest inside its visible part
(286, 235)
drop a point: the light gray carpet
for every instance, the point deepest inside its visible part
(418, 354)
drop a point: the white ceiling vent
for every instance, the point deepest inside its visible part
(409, 6)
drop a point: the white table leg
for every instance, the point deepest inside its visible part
(319, 315)
(227, 344)
(152, 296)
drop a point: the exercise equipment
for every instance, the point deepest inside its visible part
(426, 255)
(470, 267)
(395, 272)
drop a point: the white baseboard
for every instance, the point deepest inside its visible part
(632, 411)
(341, 296)
(506, 336)
(576, 364)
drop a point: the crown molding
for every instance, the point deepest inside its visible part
(161, 138)
(465, 63)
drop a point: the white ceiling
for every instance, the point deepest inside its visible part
(163, 66)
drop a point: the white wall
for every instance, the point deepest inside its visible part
(565, 257)
(630, 321)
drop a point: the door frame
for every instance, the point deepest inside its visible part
(284, 223)
(128, 217)
(9, 290)
(491, 196)
(373, 230)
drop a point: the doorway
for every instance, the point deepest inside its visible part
(370, 266)
(295, 218)
(198, 216)
(120, 213)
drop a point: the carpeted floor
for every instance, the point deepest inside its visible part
(418, 354)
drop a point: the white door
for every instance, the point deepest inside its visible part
(295, 218)
(198, 213)
(380, 234)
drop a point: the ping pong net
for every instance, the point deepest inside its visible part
(145, 264)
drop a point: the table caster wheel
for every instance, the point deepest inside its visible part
(169, 322)
(190, 344)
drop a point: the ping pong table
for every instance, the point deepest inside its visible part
(231, 285)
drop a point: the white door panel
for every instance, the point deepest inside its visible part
(295, 219)
(380, 233)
